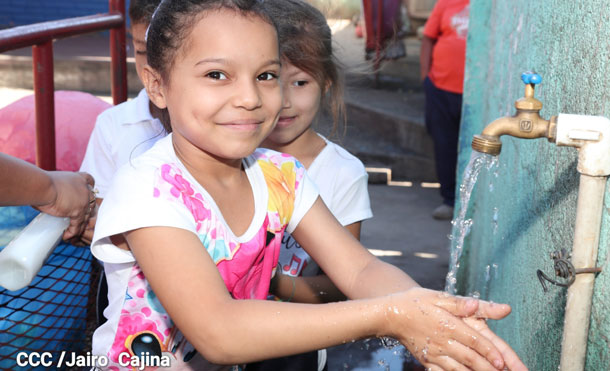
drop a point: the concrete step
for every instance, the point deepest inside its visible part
(80, 63)
(89, 75)
(385, 129)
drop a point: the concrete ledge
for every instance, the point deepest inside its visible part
(386, 129)
(91, 75)
(373, 114)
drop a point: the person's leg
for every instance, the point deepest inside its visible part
(442, 116)
(367, 10)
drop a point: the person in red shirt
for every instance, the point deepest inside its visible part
(442, 60)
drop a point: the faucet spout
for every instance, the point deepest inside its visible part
(526, 123)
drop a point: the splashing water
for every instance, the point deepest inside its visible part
(385, 354)
(461, 225)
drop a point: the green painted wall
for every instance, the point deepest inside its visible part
(524, 209)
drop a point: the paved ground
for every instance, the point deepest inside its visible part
(401, 232)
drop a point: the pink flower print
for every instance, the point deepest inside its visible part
(196, 207)
(130, 324)
(183, 189)
(180, 185)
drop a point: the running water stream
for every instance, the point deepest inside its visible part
(461, 225)
(390, 354)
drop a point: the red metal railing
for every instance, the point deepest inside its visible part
(40, 37)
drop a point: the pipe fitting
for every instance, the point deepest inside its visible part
(591, 135)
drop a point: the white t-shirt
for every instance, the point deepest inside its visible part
(120, 134)
(156, 189)
(343, 184)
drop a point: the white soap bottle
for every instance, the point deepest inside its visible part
(23, 257)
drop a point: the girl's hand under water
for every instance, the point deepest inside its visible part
(511, 359)
(428, 323)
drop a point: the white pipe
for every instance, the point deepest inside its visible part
(591, 135)
(584, 255)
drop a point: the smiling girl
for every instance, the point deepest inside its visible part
(203, 213)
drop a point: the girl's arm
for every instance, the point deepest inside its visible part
(86, 237)
(59, 193)
(313, 290)
(228, 331)
(355, 271)
(360, 275)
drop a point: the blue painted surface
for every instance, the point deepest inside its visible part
(50, 314)
(525, 208)
(23, 12)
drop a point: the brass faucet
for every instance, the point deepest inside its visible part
(526, 123)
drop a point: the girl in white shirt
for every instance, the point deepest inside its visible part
(311, 80)
(189, 232)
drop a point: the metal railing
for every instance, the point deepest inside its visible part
(40, 37)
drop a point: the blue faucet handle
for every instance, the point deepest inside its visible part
(531, 78)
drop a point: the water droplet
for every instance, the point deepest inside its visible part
(389, 343)
(424, 353)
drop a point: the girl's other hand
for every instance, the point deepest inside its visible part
(73, 198)
(511, 359)
(427, 323)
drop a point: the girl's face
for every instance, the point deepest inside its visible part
(223, 93)
(302, 98)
